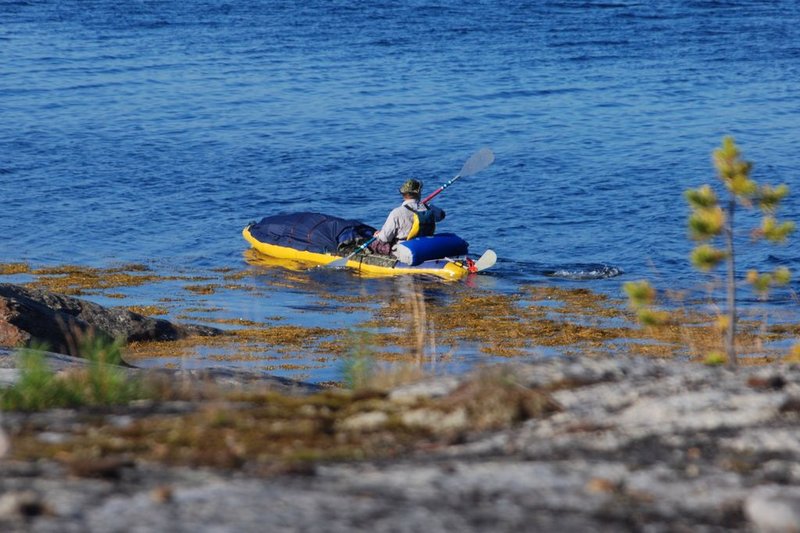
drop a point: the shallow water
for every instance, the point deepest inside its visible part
(153, 131)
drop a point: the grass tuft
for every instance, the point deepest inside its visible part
(101, 383)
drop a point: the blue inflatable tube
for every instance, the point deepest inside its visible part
(421, 249)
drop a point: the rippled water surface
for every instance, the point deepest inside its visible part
(153, 131)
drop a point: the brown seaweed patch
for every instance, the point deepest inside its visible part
(242, 344)
(295, 366)
(235, 322)
(231, 275)
(650, 349)
(579, 320)
(148, 310)
(8, 269)
(203, 309)
(502, 326)
(784, 330)
(202, 289)
(694, 334)
(284, 334)
(578, 301)
(76, 280)
(243, 356)
(178, 348)
(758, 360)
(212, 288)
(333, 347)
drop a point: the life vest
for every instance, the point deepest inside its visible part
(424, 224)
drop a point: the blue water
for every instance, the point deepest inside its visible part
(152, 131)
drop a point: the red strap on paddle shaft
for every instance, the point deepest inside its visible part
(432, 195)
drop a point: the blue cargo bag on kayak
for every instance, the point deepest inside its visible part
(312, 232)
(420, 249)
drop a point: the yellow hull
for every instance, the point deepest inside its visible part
(450, 270)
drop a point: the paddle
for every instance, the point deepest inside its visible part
(477, 162)
(487, 260)
(341, 263)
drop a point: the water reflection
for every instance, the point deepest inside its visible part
(420, 329)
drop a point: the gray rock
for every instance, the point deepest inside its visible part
(8, 376)
(36, 315)
(368, 421)
(430, 388)
(223, 377)
(637, 446)
(774, 509)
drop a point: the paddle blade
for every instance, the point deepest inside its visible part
(479, 160)
(339, 263)
(487, 260)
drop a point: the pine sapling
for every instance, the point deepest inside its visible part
(711, 221)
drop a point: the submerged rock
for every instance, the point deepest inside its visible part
(35, 315)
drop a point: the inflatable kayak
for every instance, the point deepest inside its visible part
(315, 238)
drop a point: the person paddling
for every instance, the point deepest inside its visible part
(411, 219)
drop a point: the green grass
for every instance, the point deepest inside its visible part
(101, 383)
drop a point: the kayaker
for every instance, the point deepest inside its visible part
(411, 219)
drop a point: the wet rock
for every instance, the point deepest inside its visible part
(36, 315)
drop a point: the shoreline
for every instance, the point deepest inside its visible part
(441, 327)
(633, 444)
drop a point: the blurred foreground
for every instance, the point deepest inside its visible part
(580, 445)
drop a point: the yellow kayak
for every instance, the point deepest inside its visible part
(366, 263)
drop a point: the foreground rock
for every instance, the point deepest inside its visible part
(190, 377)
(36, 315)
(636, 445)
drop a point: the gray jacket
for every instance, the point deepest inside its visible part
(400, 221)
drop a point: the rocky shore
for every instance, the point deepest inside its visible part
(634, 444)
(34, 315)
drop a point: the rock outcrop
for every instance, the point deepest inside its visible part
(35, 315)
(637, 445)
